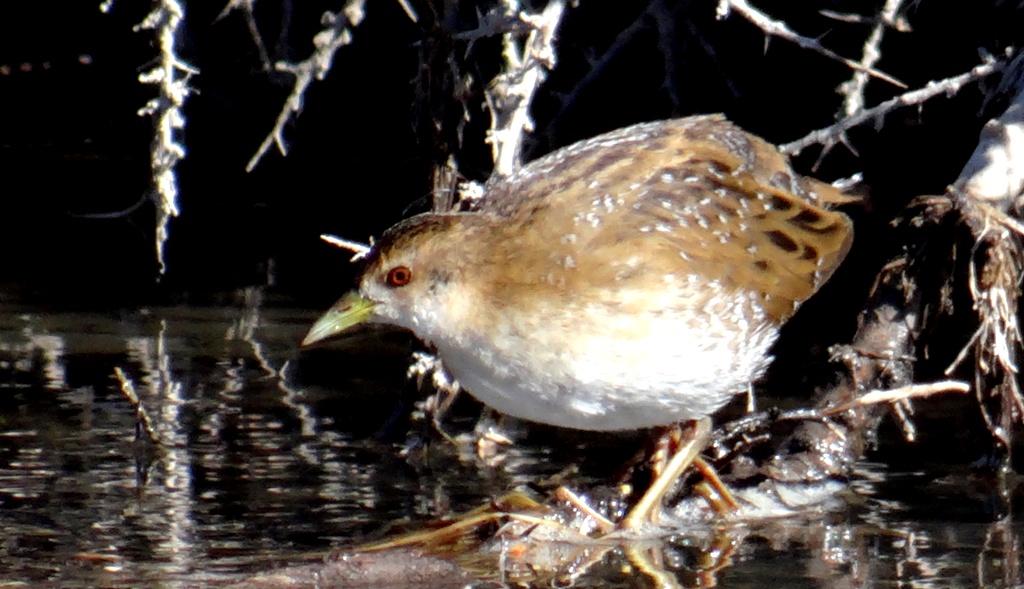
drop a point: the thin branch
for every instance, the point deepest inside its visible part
(832, 134)
(409, 10)
(359, 250)
(853, 90)
(776, 28)
(510, 94)
(326, 43)
(914, 391)
(247, 8)
(170, 76)
(898, 23)
(143, 423)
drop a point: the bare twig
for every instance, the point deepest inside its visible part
(247, 8)
(779, 29)
(409, 10)
(899, 23)
(510, 94)
(170, 76)
(359, 250)
(833, 134)
(914, 391)
(326, 43)
(143, 423)
(853, 90)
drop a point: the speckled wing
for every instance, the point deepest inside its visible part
(717, 202)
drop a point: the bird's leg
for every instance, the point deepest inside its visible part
(669, 439)
(648, 509)
(713, 490)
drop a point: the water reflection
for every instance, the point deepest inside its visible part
(248, 465)
(269, 457)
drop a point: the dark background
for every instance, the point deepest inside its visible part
(72, 145)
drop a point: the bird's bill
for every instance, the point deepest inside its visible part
(350, 310)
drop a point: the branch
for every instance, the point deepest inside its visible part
(510, 94)
(359, 250)
(830, 135)
(853, 90)
(326, 43)
(248, 9)
(779, 29)
(170, 76)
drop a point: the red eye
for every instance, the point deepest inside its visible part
(398, 276)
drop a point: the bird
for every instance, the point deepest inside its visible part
(637, 279)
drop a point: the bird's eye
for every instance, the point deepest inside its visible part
(398, 276)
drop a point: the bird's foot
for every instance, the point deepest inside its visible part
(667, 470)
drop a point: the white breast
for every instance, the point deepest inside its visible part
(667, 364)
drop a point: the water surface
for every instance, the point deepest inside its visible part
(269, 457)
